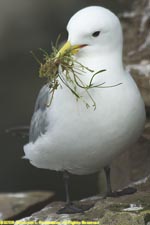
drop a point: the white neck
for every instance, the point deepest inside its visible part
(111, 61)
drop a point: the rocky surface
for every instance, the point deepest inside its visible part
(136, 24)
(12, 205)
(126, 210)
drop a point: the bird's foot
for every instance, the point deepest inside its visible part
(72, 208)
(125, 191)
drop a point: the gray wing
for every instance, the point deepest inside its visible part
(39, 121)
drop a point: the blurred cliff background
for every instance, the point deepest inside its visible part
(32, 24)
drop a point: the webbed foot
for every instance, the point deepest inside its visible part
(125, 191)
(72, 208)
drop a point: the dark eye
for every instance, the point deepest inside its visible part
(96, 34)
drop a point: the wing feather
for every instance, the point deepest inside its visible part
(39, 121)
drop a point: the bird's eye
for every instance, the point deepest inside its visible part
(96, 34)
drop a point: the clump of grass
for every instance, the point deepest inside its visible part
(57, 68)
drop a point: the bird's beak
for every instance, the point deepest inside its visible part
(71, 48)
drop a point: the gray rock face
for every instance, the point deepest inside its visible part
(136, 27)
(13, 204)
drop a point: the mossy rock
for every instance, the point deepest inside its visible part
(126, 210)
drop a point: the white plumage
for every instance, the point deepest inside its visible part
(67, 135)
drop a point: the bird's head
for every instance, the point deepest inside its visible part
(93, 30)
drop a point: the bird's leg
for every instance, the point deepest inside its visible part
(66, 182)
(70, 207)
(110, 193)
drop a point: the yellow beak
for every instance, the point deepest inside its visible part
(68, 47)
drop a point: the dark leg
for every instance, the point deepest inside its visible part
(71, 208)
(66, 182)
(110, 193)
(108, 182)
